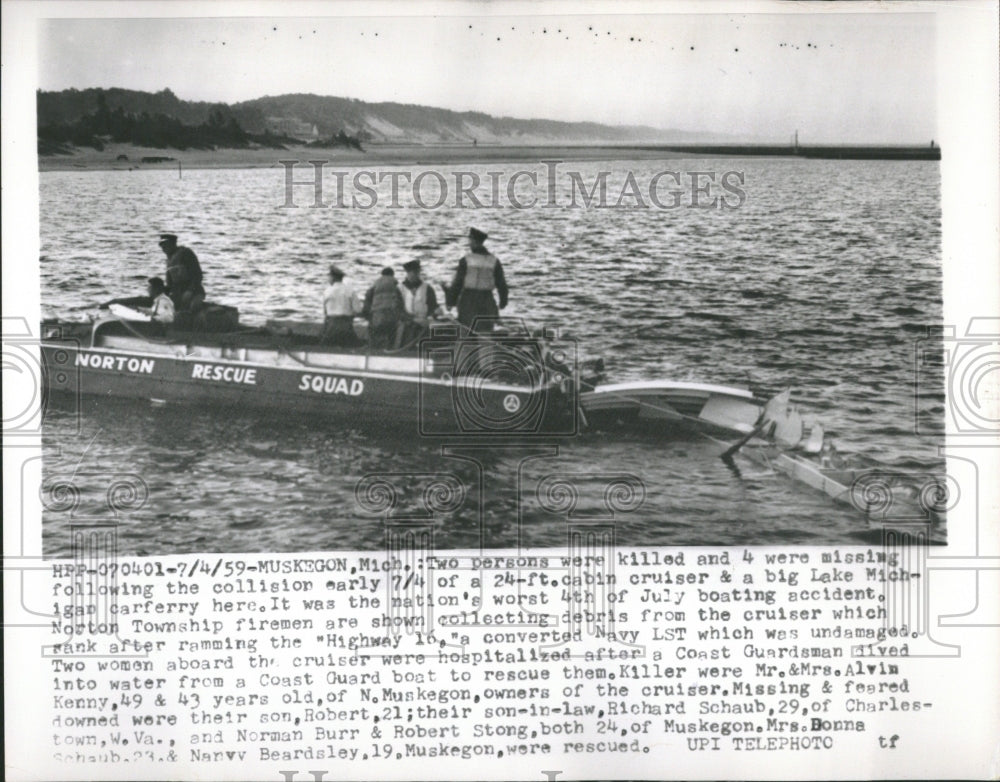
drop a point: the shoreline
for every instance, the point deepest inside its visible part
(385, 155)
(127, 157)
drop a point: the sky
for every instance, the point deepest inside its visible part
(834, 77)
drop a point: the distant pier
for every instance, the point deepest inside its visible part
(814, 152)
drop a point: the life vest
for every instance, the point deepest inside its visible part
(480, 271)
(385, 296)
(415, 301)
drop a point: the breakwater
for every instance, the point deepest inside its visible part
(833, 152)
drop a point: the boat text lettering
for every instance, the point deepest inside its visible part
(227, 374)
(97, 361)
(330, 384)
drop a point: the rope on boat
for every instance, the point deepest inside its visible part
(140, 335)
(171, 341)
(285, 352)
(410, 344)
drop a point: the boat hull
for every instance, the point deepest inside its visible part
(291, 384)
(666, 405)
(882, 495)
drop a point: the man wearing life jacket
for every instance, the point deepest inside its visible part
(384, 310)
(419, 302)
(476, 277)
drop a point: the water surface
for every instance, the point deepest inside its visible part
(824, 281)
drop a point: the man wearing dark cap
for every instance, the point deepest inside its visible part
(183, 275)
(384, 309)
(419, 302)
(340, 305)
(477, 275)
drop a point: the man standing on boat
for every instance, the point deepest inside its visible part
(471, 290)
(419, 302)
(384, 310)
(183, 275)
(340, 305)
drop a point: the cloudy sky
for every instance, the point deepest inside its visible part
(836, 77)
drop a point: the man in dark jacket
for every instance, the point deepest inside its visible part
(479, 273)
(183, 275)
(384, 310)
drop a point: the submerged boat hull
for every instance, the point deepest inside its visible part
(882, 495)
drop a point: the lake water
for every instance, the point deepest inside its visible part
(824, 280)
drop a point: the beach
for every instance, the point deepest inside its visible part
(110, 158)
(128, 157)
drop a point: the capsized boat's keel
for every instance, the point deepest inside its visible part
(664, 404)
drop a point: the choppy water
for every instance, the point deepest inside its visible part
(824, 280)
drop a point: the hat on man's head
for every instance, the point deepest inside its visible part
(167, 239)
(388, 272)
(336, 271)
(412, 266)
(475, 233)
(156, 283)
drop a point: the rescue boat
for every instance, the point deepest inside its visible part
(509, 380)
(445, 385)
(452, 383)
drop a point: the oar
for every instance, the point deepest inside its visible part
(767, 419)
(728, 454)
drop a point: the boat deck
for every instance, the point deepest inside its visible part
(276, 335)
(288, 344)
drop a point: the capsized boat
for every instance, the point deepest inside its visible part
(772, 434)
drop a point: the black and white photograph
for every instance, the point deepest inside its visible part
(501, 390)
(671, 268)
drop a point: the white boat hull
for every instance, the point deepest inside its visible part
(715, 409)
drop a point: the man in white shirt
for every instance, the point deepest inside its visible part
(162, 309)
(340, 305)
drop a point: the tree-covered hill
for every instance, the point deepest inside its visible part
(164, 117)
